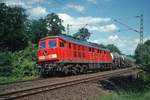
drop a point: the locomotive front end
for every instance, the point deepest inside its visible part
(47, 55)
(47, 50)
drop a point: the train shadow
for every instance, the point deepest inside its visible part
(124, 83)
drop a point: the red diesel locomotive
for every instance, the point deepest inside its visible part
(66, 54)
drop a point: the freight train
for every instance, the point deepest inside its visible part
(68, 55)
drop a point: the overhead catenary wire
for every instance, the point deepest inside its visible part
(125, 25)
(95, 5)
(62, 4)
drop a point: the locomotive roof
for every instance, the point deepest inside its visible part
(76, 40)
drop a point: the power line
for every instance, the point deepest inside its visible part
(123, 30)
(139, 32)
(127, 26)
(68, 25)
(130, 28)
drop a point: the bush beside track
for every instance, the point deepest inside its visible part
(18, 65)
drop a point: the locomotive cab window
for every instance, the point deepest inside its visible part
(83, 48)
(90, 49)
(74, 47)
(42, 44)
(52, 43)
(69, 45)
(62, 44)
(97, 51)
(100, 51)
(79, 47)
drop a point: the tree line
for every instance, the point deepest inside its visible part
(18, 31)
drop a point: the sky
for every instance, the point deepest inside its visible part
(98, 16)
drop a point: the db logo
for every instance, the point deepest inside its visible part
(45, 52)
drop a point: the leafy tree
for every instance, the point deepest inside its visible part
(143, 56)
(113, 48)
(83, 33)
(12, 28)
(147, 43)
(36, 29)
(138, 55)
(54, 24)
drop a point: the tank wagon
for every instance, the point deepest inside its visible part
(65, 54)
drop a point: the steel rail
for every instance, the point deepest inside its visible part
(35, 90)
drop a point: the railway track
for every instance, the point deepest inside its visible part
(51, 86)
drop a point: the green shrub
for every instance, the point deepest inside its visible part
(19, 64)
(24, 62)
(6, 64)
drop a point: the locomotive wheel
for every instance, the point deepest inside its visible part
(42, 75)
(66, 71)
(85, 68)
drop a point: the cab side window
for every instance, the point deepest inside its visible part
(90, 49)
(74, 47)
(69, 45)
(62, 44)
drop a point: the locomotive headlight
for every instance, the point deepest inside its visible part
(52, 56)
(41, 57)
